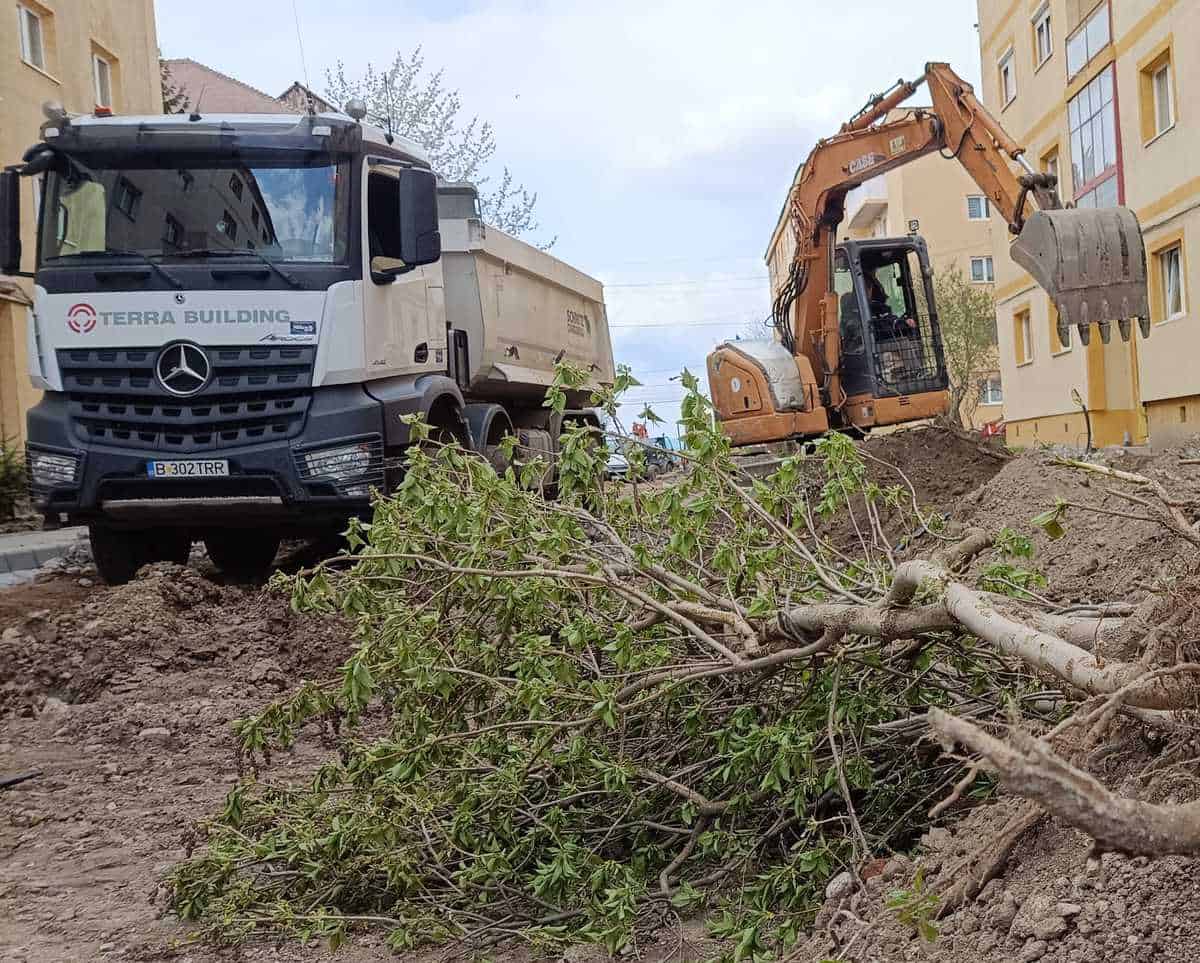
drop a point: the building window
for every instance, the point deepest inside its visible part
(1043, 37)
(991, 391)
(235, 185)
(1008, 79)
(1091, 37)
(1092, 121)
(1023, 337)
(126, 199)
(172, 232)
(1171, 282)
(29, 28)
(981, 270)
(102, 77)
(978, 208)
(1157, 95)
(228, 226)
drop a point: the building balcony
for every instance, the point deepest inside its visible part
(866, 204)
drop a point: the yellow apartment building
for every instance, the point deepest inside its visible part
(940, 199)
(80, 53)
(1103, 94)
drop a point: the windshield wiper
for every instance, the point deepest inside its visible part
(239, 252)
(161, 271)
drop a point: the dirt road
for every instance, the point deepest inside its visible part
(123, 698)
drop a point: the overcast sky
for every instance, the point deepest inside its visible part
(660, 135)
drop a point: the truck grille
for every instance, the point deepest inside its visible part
(256, 394)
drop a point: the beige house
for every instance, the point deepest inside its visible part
(1099, 92)
(938, 198)
(82, 54)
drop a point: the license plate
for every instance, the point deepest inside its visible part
(208, 468)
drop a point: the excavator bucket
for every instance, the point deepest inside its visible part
(1093, 264)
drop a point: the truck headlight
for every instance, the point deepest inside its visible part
(347, 461)
(50, 469)
(354, 468)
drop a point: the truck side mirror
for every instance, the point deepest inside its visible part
(10, 222)
(420, 239)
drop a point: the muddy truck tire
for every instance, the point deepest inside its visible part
(242, 555)
(119, 553)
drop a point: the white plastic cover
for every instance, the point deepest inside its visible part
(777, 363)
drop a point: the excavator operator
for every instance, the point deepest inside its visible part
(888, 325)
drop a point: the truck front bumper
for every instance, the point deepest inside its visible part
(321, 477)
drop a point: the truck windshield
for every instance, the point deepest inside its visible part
(164, 205)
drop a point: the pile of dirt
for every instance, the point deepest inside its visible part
(1055, 901)
(941, 466)
(169, 620)
(1104, 556)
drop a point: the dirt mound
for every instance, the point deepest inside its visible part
(1054, 902)
(941, 465)
(169, 620)
(1112, 555)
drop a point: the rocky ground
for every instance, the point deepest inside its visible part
(122, 699)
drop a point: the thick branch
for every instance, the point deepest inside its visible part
(1031, 769)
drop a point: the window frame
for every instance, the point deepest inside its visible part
(1164, 71)
(1007, 68)
(1042, 19)
(99, 61)
(989, 269)
(24, 14)
(1171, 248)
(1023, 335)
(987, 207)
(988, 397)
(1081, 185)
(1103, 10)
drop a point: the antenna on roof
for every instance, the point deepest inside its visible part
(195, 114)
(308, 96)
(387, 88)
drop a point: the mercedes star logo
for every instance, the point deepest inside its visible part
(183, 368)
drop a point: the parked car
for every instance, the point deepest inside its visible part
(617, 466)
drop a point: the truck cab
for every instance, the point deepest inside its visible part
(233, 316)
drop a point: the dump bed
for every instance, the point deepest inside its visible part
(522, 309)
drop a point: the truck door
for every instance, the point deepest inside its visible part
(395, 306)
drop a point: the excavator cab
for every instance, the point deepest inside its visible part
(893, 367)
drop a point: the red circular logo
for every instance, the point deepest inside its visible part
(81, 318)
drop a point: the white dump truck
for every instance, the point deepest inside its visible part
(233, 315)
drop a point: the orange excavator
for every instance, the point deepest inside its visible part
(857, 343)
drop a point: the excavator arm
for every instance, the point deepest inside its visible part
(1091, 262)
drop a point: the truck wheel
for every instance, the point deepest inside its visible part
(242, 554)
(119, 553)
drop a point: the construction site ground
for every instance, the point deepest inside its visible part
(123, 699)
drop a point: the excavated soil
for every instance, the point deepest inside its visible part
(941, 466)
(1055, 901)
(122, 698)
